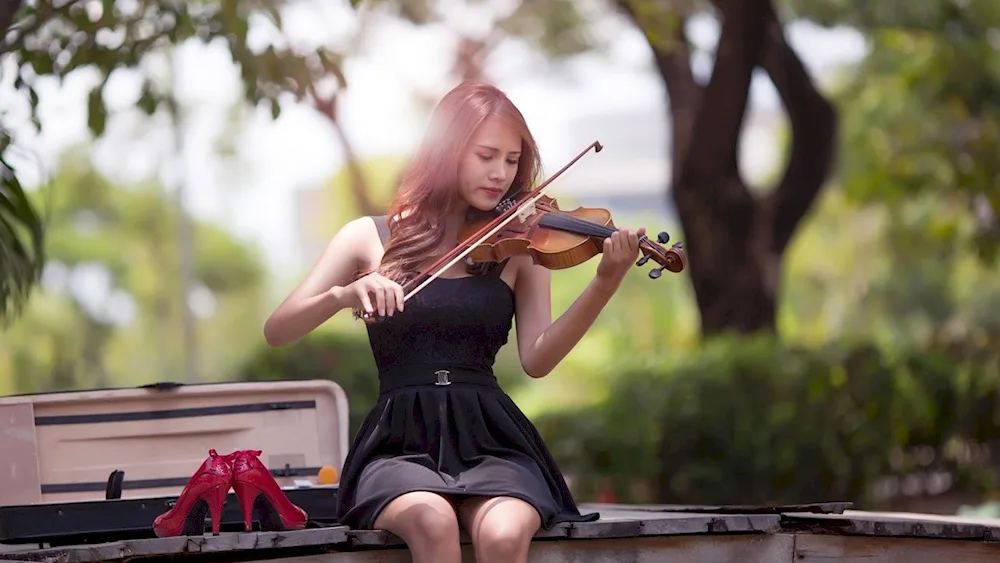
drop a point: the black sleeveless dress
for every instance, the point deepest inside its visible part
(442, 423)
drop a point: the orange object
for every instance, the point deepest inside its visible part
(327, 475)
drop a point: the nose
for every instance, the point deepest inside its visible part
(498, 173)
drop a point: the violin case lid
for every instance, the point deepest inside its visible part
(128, 443)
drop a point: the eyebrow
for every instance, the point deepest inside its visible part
(496, 149)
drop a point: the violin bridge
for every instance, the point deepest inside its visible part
(505, 205)
(526, 211)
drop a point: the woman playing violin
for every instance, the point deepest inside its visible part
(445, 447)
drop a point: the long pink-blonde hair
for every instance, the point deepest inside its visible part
(429, 186)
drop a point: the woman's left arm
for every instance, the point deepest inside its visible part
(541, 343)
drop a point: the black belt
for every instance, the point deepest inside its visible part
(437, 376)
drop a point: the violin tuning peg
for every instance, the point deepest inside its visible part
(643, 260)
(663, 238)
(656, 272)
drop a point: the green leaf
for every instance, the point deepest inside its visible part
(22, 241)
(96, 112)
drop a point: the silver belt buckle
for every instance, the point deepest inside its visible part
(442, 375)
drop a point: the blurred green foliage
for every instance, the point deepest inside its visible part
(55, 38)
(923, 109)
(22, 240)
(109, 312)
(42, 39)
(557, 28)
(757, 421)
(875, 15)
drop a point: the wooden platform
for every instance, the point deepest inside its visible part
(662, 534)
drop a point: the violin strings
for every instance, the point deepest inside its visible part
(563, 220)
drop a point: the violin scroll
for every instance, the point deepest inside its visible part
(673, 259)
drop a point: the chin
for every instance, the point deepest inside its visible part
(484, 204)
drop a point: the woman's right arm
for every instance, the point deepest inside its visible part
(321, 294)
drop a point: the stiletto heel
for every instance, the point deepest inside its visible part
(256, 488)
(246, 494)
(205, 492)
(216, 499)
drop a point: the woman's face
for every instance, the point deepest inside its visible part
(489, 165)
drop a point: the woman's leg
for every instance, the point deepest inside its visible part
(427, 523)
(501, 528)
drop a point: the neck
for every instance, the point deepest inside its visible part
(452, 223)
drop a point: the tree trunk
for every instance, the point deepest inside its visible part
(736, 285)
(735, 241)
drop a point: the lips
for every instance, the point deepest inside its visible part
(493, 191)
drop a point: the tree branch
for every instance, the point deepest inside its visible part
(327, 106)
(812, 151)
(359, 185)
(664, 31)
(671, 51)
(685, 94)
(723, 105)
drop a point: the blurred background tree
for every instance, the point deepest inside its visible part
(109, 314)
(53, 39)
(736, 236)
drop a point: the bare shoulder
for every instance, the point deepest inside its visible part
(359, 238)
(359, 229)
(522, 272)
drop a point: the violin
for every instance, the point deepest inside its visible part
(557, 239)
(554, 238)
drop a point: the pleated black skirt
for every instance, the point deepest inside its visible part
(466, 439)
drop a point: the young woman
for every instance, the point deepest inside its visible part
(444, 446)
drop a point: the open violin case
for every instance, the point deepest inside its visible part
(91, 466)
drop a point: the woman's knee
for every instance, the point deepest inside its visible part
(432, 524)
(502, 528)
(420, 518)
(502, 540)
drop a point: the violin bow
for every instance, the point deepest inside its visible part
(465, 248)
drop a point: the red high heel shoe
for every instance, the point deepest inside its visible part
(256, 488)
(205, 491)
